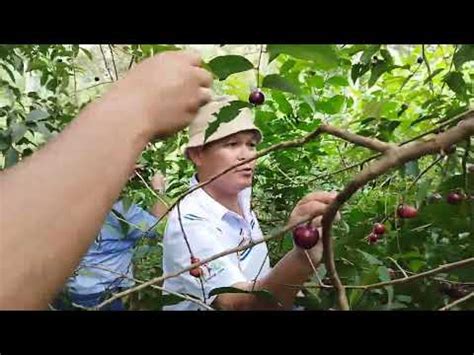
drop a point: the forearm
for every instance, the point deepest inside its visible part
(97, 154)
(292, 270)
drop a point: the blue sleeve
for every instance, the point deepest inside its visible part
(141, 218)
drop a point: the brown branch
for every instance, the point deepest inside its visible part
(455, 303)
(393, 158)
(371, 143)
(438, 270)
(366, 160)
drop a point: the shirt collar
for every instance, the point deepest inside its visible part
(214, 207)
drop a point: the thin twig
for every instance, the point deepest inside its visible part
(258, 65)
(399, 267)
(105, 63)
(93, 86)
(151, 190)
(455, 303)
(427, 64)
(113, 62)
(436, 161)
(160, 288)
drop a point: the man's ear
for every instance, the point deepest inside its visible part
(195, 154)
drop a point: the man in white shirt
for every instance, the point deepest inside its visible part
(219, 217)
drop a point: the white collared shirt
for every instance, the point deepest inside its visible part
(211, 228)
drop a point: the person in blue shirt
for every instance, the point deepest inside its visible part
(107, 266)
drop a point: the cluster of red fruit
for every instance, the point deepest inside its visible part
(377, 231)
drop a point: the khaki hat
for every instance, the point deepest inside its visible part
(242, 122)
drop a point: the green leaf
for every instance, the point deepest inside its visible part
(9, 72)
(456, 83)
(226, 114)
(169, 300)
(283, 104)
(331, 106)
(358, 70)
(5, 141)
(260, 293)
(18, 130)
(36, 64)
(387, 56)
(37, 115)
(290, 63)
(378, 69)
(369, 53)
(41, 128)
(464, 54)
(275, 81)
(433, 74)
(226, 65)
(87, 53)
(323, 55)
(338, 81)
(372, 260)
(316, 81)
(11, 157)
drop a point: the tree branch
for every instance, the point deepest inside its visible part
(371, 143)
(392, 158)
(438, 270)
(455, 303)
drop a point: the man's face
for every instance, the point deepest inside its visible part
(219, 155)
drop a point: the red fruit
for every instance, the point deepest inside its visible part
(305, 236)
(379, 228)
(372, 238)
(454, 198)
(256, 97)
(197, 272)
(407, 211)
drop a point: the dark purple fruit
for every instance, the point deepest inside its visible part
(305, 236)
(379, 228)
(372, 238)
(454, 198)
(256, 97)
